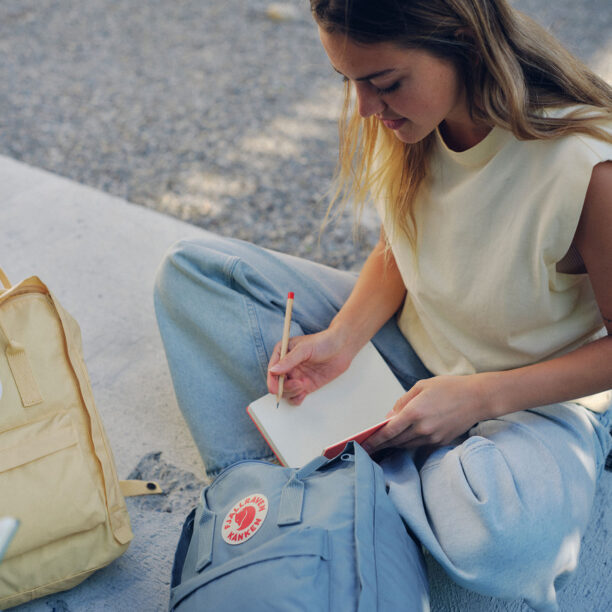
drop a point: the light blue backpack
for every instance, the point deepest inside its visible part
(324, 537)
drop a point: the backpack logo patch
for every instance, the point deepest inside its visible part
(245, 518)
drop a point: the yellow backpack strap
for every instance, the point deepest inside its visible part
(21, 370)
(131, 488)
(4, 280)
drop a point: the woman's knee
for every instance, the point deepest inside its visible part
(490, 524)
(195, 264)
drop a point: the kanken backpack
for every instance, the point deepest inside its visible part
(323, 537)
(57, 474)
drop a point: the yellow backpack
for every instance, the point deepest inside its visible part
(57, 473)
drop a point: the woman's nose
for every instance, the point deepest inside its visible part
(368, 101)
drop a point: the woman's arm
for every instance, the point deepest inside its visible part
(377, 296)
(437, 410)
(315, 359)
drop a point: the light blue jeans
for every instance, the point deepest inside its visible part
(503, 510)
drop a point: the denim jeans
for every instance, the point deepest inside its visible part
(502, 510)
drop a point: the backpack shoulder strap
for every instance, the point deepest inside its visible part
(131, 488)
(4, 280)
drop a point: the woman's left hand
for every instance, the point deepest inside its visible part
(433, 413)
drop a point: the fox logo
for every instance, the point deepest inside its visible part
(245, 518)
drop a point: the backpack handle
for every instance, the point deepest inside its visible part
(206, 520)
(21, 370)
(4, 279)
(292, 493)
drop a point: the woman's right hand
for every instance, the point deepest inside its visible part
(311, 362)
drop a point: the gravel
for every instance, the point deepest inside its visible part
(220, 112)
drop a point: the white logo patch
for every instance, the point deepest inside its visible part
(245, 518)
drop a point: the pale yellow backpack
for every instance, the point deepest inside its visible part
(57, 473)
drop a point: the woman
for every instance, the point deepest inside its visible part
(486, 148)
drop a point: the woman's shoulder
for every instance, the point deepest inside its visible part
(585, 137)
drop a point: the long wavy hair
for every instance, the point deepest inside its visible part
(512, 70)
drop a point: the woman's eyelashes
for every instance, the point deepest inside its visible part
(380, 90)
(387, 90)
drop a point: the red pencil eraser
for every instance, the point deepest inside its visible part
(290, 295)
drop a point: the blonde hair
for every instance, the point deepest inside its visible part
(509, 64)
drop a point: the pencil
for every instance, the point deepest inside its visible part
(284, 344)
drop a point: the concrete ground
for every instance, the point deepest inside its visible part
(98, 254)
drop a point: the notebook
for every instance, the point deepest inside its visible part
(350, 407)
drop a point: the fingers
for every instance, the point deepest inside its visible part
(294, 391)
(297, 399)
(407, 439)
(405, 399)
(271, 380)
(296, 354)
(399, 431)
(311, 362)
(395, 432)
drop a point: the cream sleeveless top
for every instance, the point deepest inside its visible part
(484, 292)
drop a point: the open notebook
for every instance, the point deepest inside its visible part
(351, 407)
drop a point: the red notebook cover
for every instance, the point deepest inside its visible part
(335, 449)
